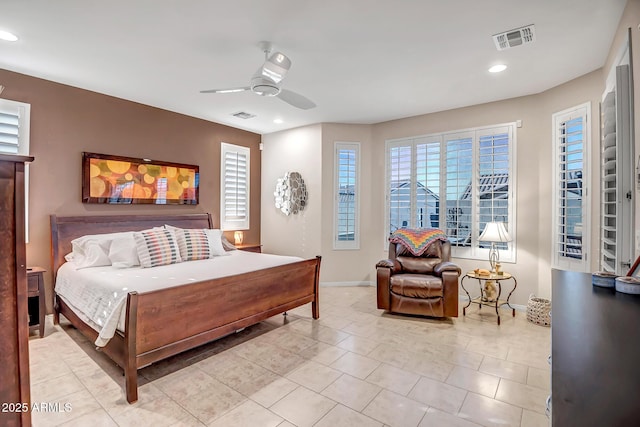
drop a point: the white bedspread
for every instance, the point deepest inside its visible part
(98, 294)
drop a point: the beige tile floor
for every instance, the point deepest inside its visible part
(355, 366)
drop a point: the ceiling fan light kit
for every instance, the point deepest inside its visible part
(276, 67)
(264, 86)
(268, 79)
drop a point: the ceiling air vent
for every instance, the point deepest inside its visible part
(243, 115)
(513, 38)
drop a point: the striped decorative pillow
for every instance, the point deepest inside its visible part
(157, 247)
(193, 244)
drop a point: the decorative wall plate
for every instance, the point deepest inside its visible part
(291, 193)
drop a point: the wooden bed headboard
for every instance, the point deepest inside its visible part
(66, 228)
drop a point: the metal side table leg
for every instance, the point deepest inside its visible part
(498, 300)
(515, 285)
(464, 309)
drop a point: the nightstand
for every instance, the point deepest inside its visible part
(37, 307)
(250, 248)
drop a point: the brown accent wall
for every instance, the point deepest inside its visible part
(65, 121)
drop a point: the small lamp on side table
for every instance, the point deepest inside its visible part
(238, 237)
(493, 232)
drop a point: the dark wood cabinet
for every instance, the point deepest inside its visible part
(595, 354)
(14, 313)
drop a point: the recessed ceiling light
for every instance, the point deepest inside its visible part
(278, 121)
(497, 68)
(7, 36)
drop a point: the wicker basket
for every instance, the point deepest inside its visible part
(539, 311)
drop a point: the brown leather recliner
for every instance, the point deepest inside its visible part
(426, 285)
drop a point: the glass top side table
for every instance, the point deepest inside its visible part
(482, 300)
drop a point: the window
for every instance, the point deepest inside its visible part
(14, 139)
(14, 127)
(570, 208)
(234, 188)
(456, 181)
(347, 196)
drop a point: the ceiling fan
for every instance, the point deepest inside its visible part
(267, 81)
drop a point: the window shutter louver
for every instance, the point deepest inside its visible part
(428, 185)
(9, 132)
(571, 163)
(346, 234)
(235, 187)
(14, 139)
(570, 209)
(400, 183)
(459, 173)
(617, 179)
(493, 181)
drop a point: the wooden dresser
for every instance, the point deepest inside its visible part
(14, 315)
(595, 349)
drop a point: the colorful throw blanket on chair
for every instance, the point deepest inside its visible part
(417, 240)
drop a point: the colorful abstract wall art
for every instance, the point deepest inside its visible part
(126, 180)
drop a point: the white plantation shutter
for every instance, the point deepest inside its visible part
(570, 207)
(413, 183)
(14, 127)
(234, 194)
(610, 191)
(399, 167)
(492, 180)
(9, 132)
(458, 189)
(618, 167)
(427, 183)
(346, 196)
(457, 182)
(14, 139)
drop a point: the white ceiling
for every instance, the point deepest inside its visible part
(360, 61)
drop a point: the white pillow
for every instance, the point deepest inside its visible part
(123, 252)
(215, 242)
(91, 253)
(93, 250)
(157, 247)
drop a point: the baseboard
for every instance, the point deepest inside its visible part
(363, 283)
(518, 307)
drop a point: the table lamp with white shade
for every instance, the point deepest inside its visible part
(494, 232)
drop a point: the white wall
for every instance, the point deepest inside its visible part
(350, 266)
(309, 150)
(295, 150)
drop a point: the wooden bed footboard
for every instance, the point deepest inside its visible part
(174, 320)
(163, 323)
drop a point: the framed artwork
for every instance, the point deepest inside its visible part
(127, 180)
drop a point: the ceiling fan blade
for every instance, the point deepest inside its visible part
(230, 90)
(296, 99)
(276, 67)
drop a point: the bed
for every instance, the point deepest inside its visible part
(162, 323)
